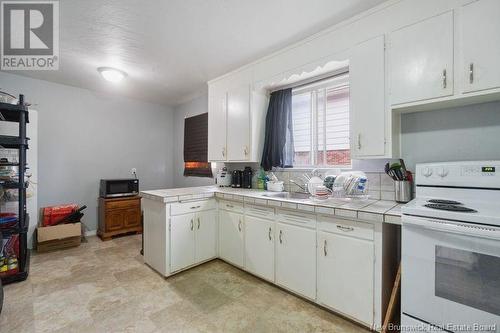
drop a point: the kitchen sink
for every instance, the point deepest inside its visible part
(287, 195)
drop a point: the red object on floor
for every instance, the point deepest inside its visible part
(52, 215)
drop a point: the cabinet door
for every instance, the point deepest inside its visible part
(345, 275)
(421, 60)
(181, 241)
(238, 123)
(481, 45)
(259, 247)
(131, 217)
(367, 98)
(114, 219)
(206, 235)
(296, 259)
(231, 237)
(217, 115)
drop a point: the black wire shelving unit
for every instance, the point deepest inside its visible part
(17, 113)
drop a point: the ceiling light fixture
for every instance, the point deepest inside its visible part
(112, 74)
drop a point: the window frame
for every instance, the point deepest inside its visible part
(338, 81)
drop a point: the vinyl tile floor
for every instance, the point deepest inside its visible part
(106, 287)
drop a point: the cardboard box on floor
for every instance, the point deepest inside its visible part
(58, 237)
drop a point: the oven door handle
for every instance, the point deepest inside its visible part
(462, 228)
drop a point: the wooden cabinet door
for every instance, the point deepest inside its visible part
(259, 247)
(182, 246)
(367, 98)
(217, 123)
(231, 237)
(480, 23)
(346, 275)
(114, 219)
(296, 259)
(131, 217)
(421, 60)
(206, 235)
(238, 123)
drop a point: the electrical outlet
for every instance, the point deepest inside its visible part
(133, 171)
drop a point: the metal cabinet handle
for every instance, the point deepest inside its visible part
(444, 78)
(281, 239)
(198, 223)
(359, 141)
(239, 225)
(346, 229)
(192, 227)
(245, 150)
(195, 207)
(269, 233)
(324, 248)
(223, 152)
(229, 206)
(471, 73)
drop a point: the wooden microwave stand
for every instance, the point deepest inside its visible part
(119, 216)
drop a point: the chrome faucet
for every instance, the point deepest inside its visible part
(303, 186)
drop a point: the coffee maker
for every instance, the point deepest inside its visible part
(247, 178)
(237, 178)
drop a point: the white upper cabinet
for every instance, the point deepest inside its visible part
(480, 31)
(217, 115)
(421, 60)
(236, 116)
(367, 99)
(238, 123)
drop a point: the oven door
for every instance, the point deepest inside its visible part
(451, 274)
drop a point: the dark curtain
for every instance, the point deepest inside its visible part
(196, 146)
(278, 143)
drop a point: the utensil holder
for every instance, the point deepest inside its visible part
(403, 189)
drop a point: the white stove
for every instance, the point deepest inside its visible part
(451, 249)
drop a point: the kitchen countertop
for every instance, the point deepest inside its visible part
(367, 209)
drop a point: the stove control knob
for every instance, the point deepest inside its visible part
(427, 172)
(442, 172)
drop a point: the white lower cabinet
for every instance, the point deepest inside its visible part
(231, 247)
(259, 247)
(296, 259)
(182, 241)
(193, 239)
(206, 236)
(346, 274)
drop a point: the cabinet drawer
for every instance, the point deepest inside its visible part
(123, 204)
(231, 206)
(191, 207)
(297, 218)
(259, 211)
(346, 227)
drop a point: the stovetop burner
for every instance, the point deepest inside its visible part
(445, 202)
(453, 208)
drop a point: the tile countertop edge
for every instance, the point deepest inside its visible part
(390, 210)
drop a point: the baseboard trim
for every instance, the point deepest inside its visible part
(90, 233)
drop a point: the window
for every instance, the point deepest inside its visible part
(196, 146)
(320, 113)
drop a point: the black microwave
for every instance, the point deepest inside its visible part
(111, 188)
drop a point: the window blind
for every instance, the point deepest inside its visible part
(196, 146)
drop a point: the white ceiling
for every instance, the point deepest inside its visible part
(171, 48)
